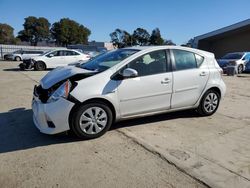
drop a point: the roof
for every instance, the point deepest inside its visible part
(224, 30)
(150, 48)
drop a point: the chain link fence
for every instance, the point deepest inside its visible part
(5, 49)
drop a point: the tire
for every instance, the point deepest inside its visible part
(39, 66)
(17, 58)
(240, 69)
(209, 103)
(86, 127)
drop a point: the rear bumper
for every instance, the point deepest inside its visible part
(51, 118)
(223, 88)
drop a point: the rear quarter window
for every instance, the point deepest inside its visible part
(199, 60)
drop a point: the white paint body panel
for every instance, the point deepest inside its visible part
(57, 61)
(143, 95)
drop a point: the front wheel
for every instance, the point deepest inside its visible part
(240, 69)
(209, 103)
(91, 120)
(39, 66)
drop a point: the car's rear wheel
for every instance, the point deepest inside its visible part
(17, 58)
(209, 103)
(240, 69)
(91, 120)
(39, 66)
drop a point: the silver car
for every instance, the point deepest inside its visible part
(126, 83)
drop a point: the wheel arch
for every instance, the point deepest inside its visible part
(18, 56)
(217, 89)
(41, 62)
(96, 99)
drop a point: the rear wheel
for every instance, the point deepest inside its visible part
(240, 69)
(17, 58)
(39, 66)
(209, 103)
(91, 120)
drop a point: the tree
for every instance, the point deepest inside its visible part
(35, 30)
(6, 34)
(155, 38)
(141, 37)
(121, 38)
(68, 31)
(169, 42)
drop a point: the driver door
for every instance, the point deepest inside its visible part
(151, 90)
(55, 58)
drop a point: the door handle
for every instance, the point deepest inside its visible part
(165, 81)
(203, 74)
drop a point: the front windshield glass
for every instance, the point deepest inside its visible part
(233, 56)
(109, 59)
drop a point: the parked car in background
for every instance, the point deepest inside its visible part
(247, 67)
(126, 83)
(53, 59)
(238, 58)
(20, 55)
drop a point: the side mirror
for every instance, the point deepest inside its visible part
(129, 73)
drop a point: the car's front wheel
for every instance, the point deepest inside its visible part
(209, 103)
(240, 69)
(39, 66)
(91, 120)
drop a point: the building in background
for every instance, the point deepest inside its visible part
(233, 38)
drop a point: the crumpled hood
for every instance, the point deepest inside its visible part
(59, 74)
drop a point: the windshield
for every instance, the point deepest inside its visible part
(106, 60)
(233, 56)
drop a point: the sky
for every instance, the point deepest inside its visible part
(178, 20)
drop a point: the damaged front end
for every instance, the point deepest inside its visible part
(60, 89)
(27, 64)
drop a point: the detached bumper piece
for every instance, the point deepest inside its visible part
(26, 64)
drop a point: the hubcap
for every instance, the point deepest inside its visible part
(211, 102)
(93, 120)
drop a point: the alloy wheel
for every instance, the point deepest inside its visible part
(93, 120)
(211, 102)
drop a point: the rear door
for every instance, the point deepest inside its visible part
(190, 75)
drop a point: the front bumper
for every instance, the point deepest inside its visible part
(54, 113)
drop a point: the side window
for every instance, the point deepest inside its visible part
(199, 60)
(151, 63)
(55, 53)
(60, 53)
(68, 53)
(184, 60)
